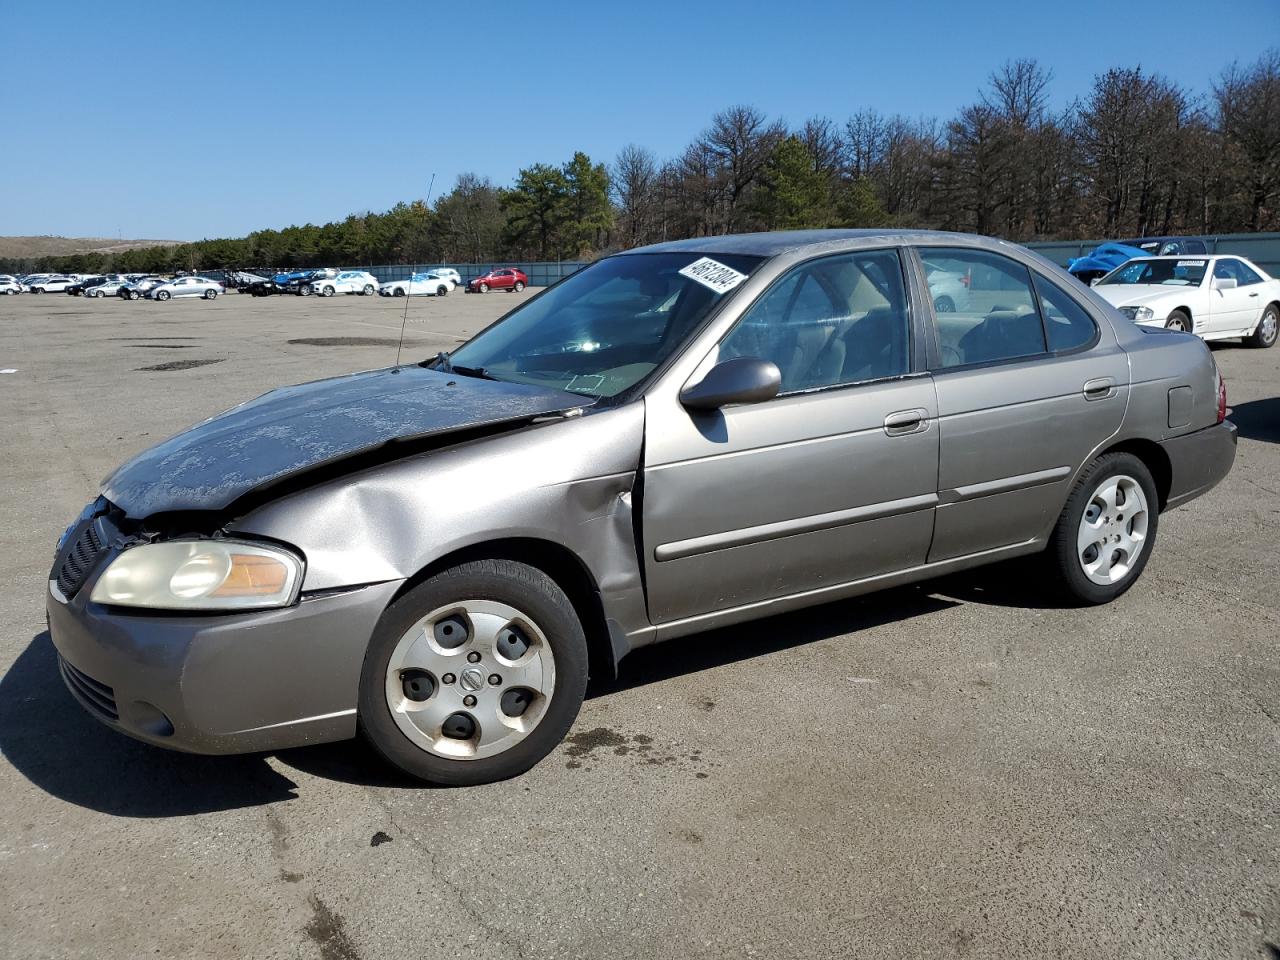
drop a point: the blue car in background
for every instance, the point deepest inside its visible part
(1104, 258)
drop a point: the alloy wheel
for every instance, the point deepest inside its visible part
(1113, 530)
(470, 680)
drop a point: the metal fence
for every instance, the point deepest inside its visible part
(1262, 248)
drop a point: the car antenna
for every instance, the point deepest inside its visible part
(408, 290)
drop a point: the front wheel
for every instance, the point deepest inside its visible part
(484, 288)
(1179, 321)
(944, 304)
(162, 295)
(327, 291)
(1107, 529)
(1265, 334)
(474, 675)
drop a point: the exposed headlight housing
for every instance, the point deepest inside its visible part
(201, 575)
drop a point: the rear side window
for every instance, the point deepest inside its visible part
(832, 321)
(1066, 323)
(984, 306)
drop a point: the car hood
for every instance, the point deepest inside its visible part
(1138, 294)
(295, 429)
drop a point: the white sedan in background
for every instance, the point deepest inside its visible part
(52, 284)
(433, 283)
(1217, 297)
(187, 287)
(347, 281)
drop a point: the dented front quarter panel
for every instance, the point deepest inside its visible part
(567, 481)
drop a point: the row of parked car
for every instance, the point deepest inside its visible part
(328, 282)
(325, 282)
(127, 286)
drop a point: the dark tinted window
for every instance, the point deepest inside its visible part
(828, 322)
(992, 313)
(1065, 321)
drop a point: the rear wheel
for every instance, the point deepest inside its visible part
(367, 291)
(474, 675)
(210, 294)
(519, 285)
(1178, 320)
(1265, 334)
(1107, 529)
(442, 291)
(944, 304)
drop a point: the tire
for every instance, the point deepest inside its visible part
(485, 592)
(37, 290)
(400, 292)
(1178, 320)
(162, 295)
(1087, 574)
(483, 288)
(1264, 335)
(367, 291)
(944, 304)
(519, 285)
(211, 294)
(442, 291)
(327, 291)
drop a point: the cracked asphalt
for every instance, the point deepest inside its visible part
(955, 769)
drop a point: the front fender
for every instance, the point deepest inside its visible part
(568, 482)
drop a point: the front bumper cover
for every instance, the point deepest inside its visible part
(225, 683)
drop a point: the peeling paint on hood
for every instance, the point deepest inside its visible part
(295, 429)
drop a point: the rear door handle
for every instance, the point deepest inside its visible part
(903, 422)
(1099, 388)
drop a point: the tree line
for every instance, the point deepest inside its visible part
(1137, 155)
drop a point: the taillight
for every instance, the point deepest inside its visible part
(1222, 399)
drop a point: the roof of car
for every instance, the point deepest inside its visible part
(784, 241)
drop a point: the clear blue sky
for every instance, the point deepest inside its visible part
(220, 118)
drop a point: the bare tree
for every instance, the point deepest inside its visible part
(635, 190)
(1248, 102)
(739, 142)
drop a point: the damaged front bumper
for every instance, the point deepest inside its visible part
(218, 683)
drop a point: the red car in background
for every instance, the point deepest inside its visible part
(503, 278)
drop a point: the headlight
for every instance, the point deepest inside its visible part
(1143, 313)
(200, 575)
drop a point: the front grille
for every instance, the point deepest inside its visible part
(78, 561)
(97, 697)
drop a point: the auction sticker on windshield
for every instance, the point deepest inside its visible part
(1191, 263)
(713, 274)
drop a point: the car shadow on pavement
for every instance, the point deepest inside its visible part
(1258, 419)
(51, 741)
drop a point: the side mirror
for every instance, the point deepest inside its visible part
(740, 380)
(1094, 281)
(1224, 283)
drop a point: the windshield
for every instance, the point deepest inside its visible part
(1178, 273)
(607, 327)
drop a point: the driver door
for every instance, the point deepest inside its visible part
(832, 481)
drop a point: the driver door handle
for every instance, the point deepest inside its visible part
(1099, 389)
(903, 422)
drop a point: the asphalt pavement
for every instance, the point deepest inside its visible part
(955, 769)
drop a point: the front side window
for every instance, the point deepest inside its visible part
(993, 315)
(832, 321)
(1237, 271)
(607, 327)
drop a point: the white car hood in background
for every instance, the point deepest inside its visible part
(1141, 294)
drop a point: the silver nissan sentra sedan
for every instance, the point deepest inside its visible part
(675, 438)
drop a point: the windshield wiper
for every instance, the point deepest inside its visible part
(445, 365)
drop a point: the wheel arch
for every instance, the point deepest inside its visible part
(560, 564)
(1153, 458)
